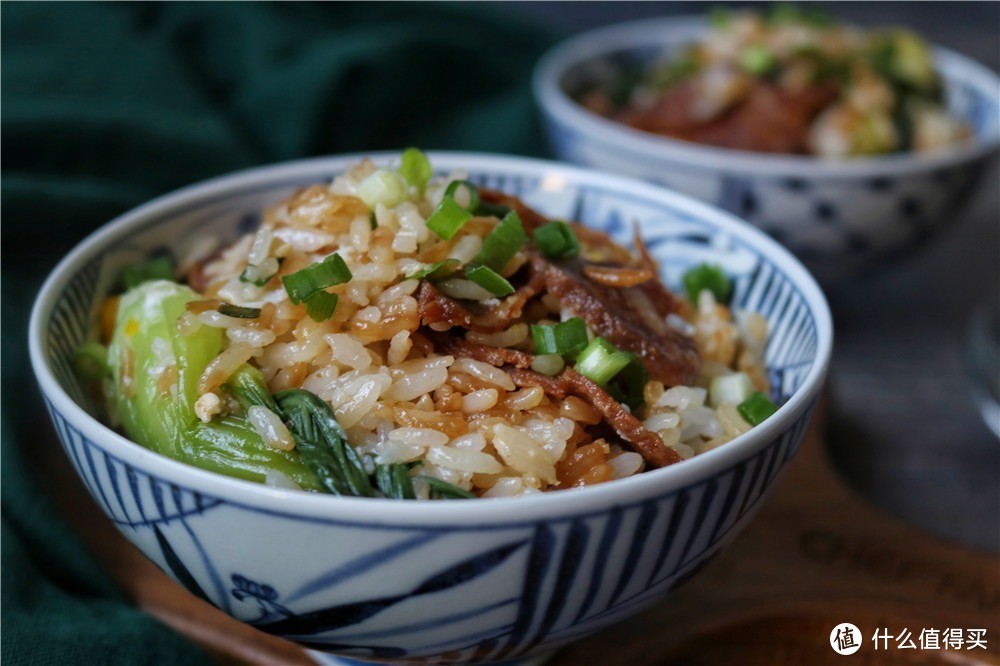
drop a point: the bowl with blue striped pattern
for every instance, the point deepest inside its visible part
(843, 218)
(441, 582)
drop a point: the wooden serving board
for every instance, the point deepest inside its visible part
(816, 556)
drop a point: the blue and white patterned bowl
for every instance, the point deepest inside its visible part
(840, 217)
(482, 580)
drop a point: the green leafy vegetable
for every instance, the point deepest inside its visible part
(157, 268)
(91, 361)
(444, 490)
(247, 385)
(161, 416)
(322, 443)
(394, 481)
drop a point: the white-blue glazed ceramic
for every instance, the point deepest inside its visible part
(840, 217)
(485, 580)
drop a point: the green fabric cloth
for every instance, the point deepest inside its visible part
(108, 105)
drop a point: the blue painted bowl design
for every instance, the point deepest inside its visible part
(842, 218)
(444, 581)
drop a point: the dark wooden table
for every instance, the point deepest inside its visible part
(903, 428)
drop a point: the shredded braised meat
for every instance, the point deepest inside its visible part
(436, 309)
(568, 382)
(631, 318)
(620, 297)
(769, 119)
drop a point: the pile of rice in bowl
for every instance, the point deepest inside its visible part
(398, 334)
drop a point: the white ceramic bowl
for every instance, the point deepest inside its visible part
(481, 579)
(840, 217)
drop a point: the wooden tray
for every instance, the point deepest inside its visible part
(815, 557)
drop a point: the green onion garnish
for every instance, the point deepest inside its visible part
(757, 408)
(500, 246)
(757, 60)
(382, 187)
(444, 490)
(448, 218)
(415, 168)
(601, 360)
(300, 285)
(90, 361)
(472, 189)
(719, 17)
(486, 209)
(707, 276)
(490, 280)
(158, 268)
(373, 221)
(231, 310)
(566, 338)
(556, 240)
(629, 385)
(439, 270)
(321, 305)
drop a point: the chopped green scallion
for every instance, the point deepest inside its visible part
(416, 168)
(710, 277)
(629, 385)
(556, 240)
(565, 338)
(500, 246)
(448, 218)
(321, 305)
(601, 361)
(382, 187)
(231, 310)
(757, 60)
(311, 279)
(473, 191)
(439, 270)
(492, 210)
(490, 280)
(757, 408)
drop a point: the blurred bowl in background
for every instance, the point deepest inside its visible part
(840, 217)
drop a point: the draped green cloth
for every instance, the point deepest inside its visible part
(108, 105)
